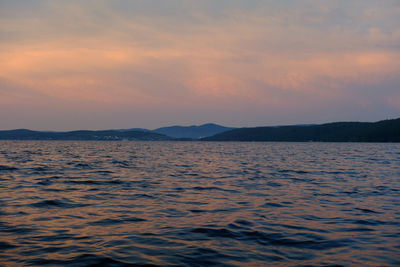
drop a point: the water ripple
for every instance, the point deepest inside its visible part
(199, 204)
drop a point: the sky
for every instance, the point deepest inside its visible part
(102, 64)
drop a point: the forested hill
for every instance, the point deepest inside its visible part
(23, 134)
(382, 131)
(193, 132)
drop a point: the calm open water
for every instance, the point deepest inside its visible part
(199, 203)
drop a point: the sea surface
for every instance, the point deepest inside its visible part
(199, 204)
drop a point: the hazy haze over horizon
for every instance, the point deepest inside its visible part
(67, 65)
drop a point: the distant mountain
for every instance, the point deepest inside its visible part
(164, 133)
(382, 131)
(23, 134)
(192, 132)
(134, 129)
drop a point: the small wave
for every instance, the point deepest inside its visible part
(56, 237)
(44, 219)
(369, 222)
(244, 222)
(197, 211)
(207, 257)
(88, 260)
(296, 227)
(358, 229)
(271, 204)
(40, 169)
(110, 221)
(222, 232)
(171, 212)
(55, 203)
(7, 168)
(45, 182)
(121, 164)
(154, 240)
(214, 210)
(293, 171)
(179, 189)
(196, 203)
(6, 245)
(16, 229)
(88, 182)
(83, 166)
(274, 184)
(307, 241)
(311, 244)
(210, 188)
(367, 210)
(136, 196)
(94, 182)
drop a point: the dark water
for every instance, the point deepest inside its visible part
(199, 204)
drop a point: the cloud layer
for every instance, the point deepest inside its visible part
(104, 64)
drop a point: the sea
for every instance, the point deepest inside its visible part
(124, 203)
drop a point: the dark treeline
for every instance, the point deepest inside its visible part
(382, 131)
(23, 134)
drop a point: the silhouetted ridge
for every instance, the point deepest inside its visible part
(382, 131)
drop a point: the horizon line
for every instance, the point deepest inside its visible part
(196, 125)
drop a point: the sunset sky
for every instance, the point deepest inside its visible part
(99, 64)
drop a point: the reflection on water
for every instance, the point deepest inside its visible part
(188, 203)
